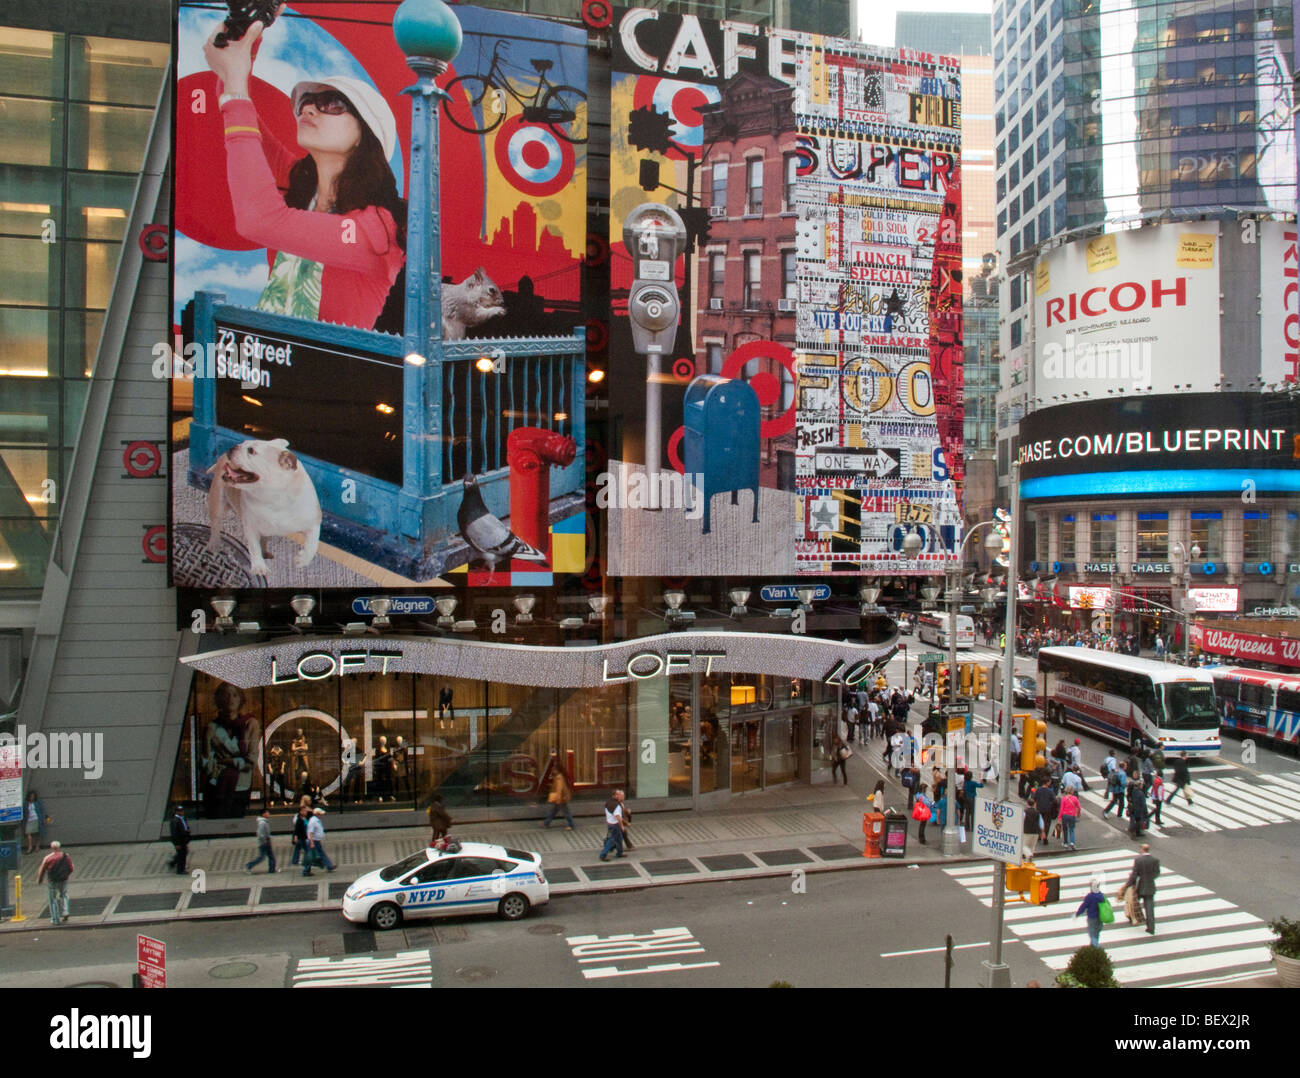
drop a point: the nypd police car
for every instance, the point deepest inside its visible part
(469, 877)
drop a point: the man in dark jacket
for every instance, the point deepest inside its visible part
(300, 834)
(1137, 808)
(1044, 801)
(1145, 870)
(180, 836)
(1182, 780)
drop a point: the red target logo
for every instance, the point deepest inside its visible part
(681, 102)
(766, 386)
(142, 460)
(674, 450)
(683, 368)
(155, 243)
(597, 14)
(532, 158)
(597, 249)
(155, 543)
(597, 336)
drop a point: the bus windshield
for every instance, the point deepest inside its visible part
(1189, 706)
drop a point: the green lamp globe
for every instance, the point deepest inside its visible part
(427, 28)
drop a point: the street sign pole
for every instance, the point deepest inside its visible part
(997, 972)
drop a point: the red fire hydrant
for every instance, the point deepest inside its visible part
(530, 453)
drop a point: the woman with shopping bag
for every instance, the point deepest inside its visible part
(922, 810)
(1097, 907)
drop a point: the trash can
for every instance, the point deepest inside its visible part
(873, 827)
(894, 843)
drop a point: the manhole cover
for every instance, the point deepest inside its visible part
(230, 971)
(546, 930)
(475, 973)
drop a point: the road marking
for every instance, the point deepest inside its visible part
(406, 969)
(628, 947)
(1223, 804)
(1196, 932)
(937, 950)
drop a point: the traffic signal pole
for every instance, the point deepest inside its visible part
(997, 972)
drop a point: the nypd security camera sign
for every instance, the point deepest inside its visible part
(999, 830)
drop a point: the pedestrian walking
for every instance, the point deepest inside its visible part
(264, 851)
(1145, 870)
(851, 721)
(1045, 802)
(922, 811)
(1157, 796)
(1137, 808)
(877, 798)
(969, 792)
(180, 838)
(626, 820)
(910, 778)
(316, 854)
(840, 752)
(1182, 780)
(614, 824)
(1116, 784)
(300, 834)
(1070, 812)
(1094, 902)
(439, 819)
(558, 799)
(894, 754)
(873, 717)
(56, 870)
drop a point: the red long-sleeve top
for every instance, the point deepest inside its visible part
(360, 260)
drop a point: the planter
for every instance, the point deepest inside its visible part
(1288, 970)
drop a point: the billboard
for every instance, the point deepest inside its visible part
(785, 286)
(1129, 311)
(1191, 443)
(328, 430)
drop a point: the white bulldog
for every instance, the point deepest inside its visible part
(271, 494)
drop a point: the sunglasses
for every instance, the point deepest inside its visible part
(329, 102)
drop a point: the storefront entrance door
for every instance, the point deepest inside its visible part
(746, 755)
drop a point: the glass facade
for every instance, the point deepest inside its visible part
(75, 115)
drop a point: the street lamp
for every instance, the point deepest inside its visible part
(993, 544)
(1188, 604)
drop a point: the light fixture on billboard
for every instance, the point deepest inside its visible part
(739, 600)
(869, 594)
(379, 607)
(599, 605)
(446, 607)
(524, 607)
(912, 544)
(806, 593)
(224, 606)
(302, 606)
(929, 591)
(675, 615)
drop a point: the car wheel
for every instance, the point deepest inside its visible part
(385, 916)
(513, 907)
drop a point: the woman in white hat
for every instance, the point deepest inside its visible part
(332, 216)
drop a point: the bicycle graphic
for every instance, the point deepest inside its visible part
(559, 107)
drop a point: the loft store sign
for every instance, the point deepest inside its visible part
(649, 664)
(319, 665)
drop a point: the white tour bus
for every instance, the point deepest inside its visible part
(1129, 700)
(932, 628)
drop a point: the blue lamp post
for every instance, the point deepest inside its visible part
(429, 34)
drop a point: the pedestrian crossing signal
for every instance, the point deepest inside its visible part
(1034, 885)
(1047, 889)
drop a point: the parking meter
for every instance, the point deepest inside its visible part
(655, 237)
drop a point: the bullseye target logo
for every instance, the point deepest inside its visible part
(533, 158)
(142, 460)
(154, 544)
(681, 101)
(683, 369)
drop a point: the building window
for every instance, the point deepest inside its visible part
(1207, 533)
(719, 193)
(1256, 537)
(791, 166)
(754, 176)
(1015, 326)
(714, 352)
(789, 281)
(753, 279)
(1291, 538)
(1103, 537)
(1067, 538)
(1152, 536)
(717, 275)
(1015, 292)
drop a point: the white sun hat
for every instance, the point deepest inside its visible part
(370, 106)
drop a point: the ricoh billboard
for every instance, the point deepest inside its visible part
(1129, 311)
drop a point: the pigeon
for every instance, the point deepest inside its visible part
(487, 535)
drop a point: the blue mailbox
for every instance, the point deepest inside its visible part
(721, 442)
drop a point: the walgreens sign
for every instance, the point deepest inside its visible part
(1128, 310)
(1264, 649)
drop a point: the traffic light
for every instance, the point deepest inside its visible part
(696, 220)
(647, 129)
(981, 681)
(1046, 888)
(941, 683)
(966, 673)
(1033, 745)
(649, 176)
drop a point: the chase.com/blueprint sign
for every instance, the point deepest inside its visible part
(999, 830)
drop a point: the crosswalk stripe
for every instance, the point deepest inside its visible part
(1209, 796)
(1197, 932)
(1275, 802)
(1098, 857)
(1289, 778)
(406, 969)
